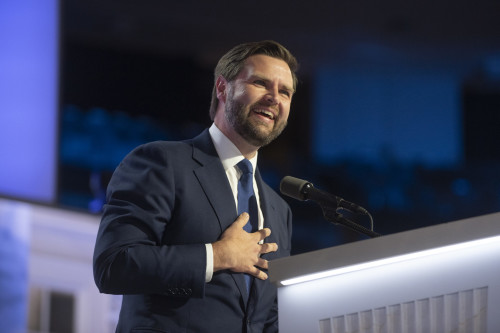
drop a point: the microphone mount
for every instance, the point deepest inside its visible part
(332, 206)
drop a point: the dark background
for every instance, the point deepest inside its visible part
(133, 72)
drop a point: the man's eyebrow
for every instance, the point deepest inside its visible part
(259, 76)
(264, 78)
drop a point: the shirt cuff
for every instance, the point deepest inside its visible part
(210, 263)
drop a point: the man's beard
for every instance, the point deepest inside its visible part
(237, 115)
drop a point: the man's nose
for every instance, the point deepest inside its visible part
(272, 96)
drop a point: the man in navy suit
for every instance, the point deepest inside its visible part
(171, 240)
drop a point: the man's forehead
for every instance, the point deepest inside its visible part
(267, 67)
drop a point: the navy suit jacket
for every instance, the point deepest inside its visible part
(165, 201)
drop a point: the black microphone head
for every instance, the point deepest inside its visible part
(294, 187)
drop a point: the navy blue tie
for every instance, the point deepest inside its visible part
(247, 203)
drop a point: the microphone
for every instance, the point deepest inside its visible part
(303, 190)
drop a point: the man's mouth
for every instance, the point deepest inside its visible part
(265, 113)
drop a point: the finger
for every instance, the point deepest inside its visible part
(268, 247)
(263, 233)
(262, 263)
(242, 219)
(258, 273)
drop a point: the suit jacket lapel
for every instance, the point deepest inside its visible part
(214, 183)
(267, 207)
(213, 179)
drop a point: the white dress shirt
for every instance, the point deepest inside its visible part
(230, 156)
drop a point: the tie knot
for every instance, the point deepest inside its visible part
(245, 166)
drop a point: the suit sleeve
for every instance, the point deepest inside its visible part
(130, 256)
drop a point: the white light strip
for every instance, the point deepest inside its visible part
(391, 260)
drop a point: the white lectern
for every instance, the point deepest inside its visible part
(444, 278)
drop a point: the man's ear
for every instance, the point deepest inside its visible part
(221, 88)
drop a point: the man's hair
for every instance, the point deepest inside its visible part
(231, 63)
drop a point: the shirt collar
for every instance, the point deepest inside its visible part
(229, 154)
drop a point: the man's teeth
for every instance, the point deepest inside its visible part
(266, 113)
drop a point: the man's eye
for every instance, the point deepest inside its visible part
(260, 82)
(285, 92)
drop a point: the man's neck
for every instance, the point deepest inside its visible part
(243, 146)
